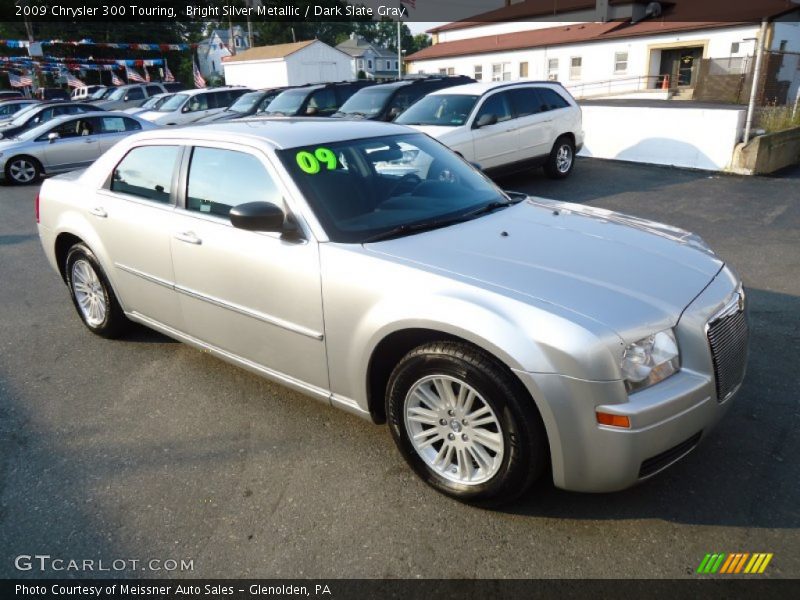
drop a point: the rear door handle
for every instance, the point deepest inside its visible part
(188, 237)
(89, 141)
(99, 211)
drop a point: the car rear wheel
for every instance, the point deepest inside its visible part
(22, 170)
(92, 295)
(465, 424)
(561, 160)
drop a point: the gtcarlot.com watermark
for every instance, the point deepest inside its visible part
(44, 563)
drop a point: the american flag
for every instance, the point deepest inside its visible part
(115, 80)
(19, 80)
(146, 74)
(168, 76)
(132, 75)
(199, 82)
(73, 81)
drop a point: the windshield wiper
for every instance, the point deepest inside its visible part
(406, 229)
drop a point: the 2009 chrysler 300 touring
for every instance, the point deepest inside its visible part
(367, 265)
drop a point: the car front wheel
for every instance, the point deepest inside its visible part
(92, 295)
(465, 424)
(561, 160)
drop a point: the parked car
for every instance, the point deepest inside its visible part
(64, 144)
(10, 94)
(505, 127)
(386, 101)
(85, 92)
(246, 105)
(128, 96)
(152, 103)
(8, 108)
(51, 94)
(318, 100)
(192, 105)
(435, 303)
(41, 113)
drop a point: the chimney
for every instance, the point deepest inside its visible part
(601, 11)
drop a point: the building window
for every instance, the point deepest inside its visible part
(238, 42)
(221, 45)
(523, 70)
(501, 72)
(369, 64)
(478, 73)
(735, 48)
(782, 46)
(360, 64)
(621, 62)
(451, 70)
(388, 65)
(213, 67)
(396, 65)
(442, 71)
(576, 62)
(552, 69)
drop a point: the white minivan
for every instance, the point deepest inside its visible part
(503, 126)
(189, 106)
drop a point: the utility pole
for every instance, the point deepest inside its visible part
(399, 52)
(751, 107)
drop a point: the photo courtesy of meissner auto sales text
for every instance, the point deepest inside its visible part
(433, 299)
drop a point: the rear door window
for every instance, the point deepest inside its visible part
(152, 90)
(135, 94)
(146, 172)
(526, 101)
(551, 99)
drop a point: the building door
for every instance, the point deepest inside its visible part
(681, 64)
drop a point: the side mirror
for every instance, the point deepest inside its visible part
(484, 120)
(312, 110)
(52, 136)
(125, 99)
(257, 216)
(477, 166)
(394, 113)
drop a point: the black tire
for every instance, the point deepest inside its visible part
(18, 168)
(525, 453)
(113, 322)
(555, 167)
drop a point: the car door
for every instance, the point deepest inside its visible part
(535, 122)
(134, 97)
(253, 295)
(134, 215)
(495, 144)
(75, 147)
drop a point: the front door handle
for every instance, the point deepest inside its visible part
(89, 141)
(99, 211)
(188, 237)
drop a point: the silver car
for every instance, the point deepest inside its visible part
(500, 336)
(63, 144)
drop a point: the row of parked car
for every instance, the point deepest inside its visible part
(503, 126)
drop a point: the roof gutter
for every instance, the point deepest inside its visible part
(751, 107)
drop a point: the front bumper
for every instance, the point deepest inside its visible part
(667, 420)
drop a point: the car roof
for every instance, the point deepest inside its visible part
(281, 132)
(220, 88)
(483, 87)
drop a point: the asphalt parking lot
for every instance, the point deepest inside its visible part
(147, 449)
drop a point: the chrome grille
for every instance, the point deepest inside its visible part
(727, 336)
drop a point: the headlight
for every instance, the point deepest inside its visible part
(650, 360)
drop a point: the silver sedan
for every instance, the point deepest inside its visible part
(64, 144)
(500, 336)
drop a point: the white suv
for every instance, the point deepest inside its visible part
(504, 127)
(189, 106)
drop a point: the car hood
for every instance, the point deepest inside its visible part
(435, 131)
(632, 275)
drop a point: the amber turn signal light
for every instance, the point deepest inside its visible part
(613, 420)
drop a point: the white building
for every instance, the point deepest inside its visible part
(298, 63)
(217, 46)
(375, 61)
(628, 53)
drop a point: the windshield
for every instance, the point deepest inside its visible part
(100, 93)
(155, 102)
(387, 186)
(117, 94)
(447, 110)
(22, 116)
(173, 103)
(367, 102)
(245, 102)
(21, 112)
(288, 102)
